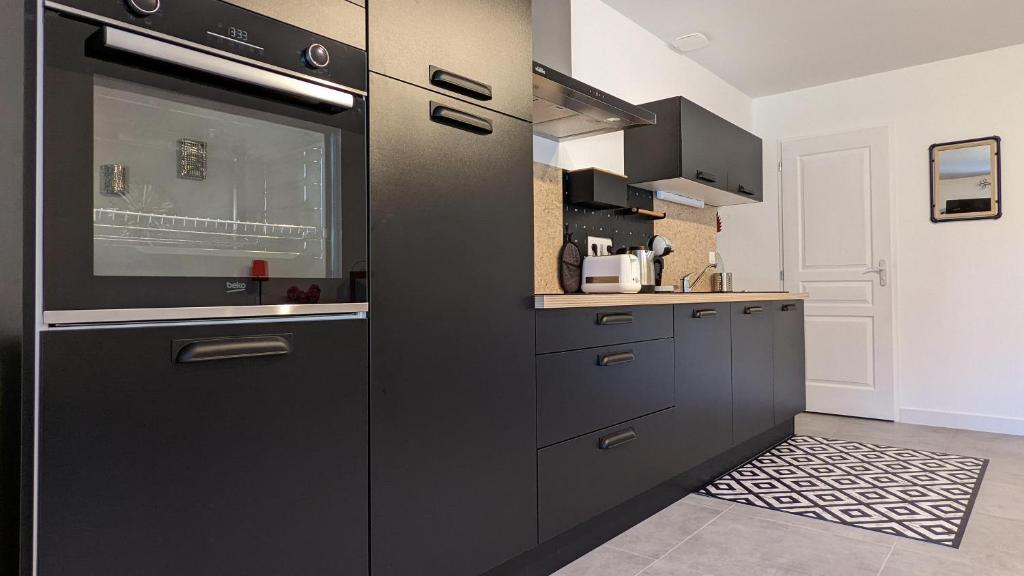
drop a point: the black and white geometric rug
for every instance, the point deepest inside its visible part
(912, 493)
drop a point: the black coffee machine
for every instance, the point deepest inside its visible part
(662, 247)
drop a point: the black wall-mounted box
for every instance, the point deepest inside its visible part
(596, 188)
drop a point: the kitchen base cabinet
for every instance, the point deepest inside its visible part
(704, 396)
(581, 478)
(453, 393)
(162, 452)
(752, 399)
(790, 376)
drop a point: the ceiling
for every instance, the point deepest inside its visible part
(769, 46)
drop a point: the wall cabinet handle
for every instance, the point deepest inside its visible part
(616, 358)
(706, 176)
(458, 119)
(207, 350)
(617, 439)
(615, 319)
(789, 307)
(458, 83)
(705, 313)
(742, 190)
(753, 310)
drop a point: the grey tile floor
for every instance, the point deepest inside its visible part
(708, 537)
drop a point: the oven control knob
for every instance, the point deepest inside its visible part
(317, 56)
(144, 7)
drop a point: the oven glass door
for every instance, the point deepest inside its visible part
(167, 188)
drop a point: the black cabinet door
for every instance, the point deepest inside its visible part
(703, 381)
(746, 173)
(790, 372)
(752, 402)
(152, 462)
(705, 145)
(475, 50)
(453, 397)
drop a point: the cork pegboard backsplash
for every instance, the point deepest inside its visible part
(692, 231)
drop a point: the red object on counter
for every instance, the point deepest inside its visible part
(260, 270)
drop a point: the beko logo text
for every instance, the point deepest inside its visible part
(233, 287)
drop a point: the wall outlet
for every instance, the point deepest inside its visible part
(712, 258)
(598, 246)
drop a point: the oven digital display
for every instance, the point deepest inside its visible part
(238, 38)
(238, 34)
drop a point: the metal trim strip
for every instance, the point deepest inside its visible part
(129, 315)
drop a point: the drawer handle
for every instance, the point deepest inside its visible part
(789, 307)
(743, 190)
(189, 352)
(457, 83)
(615, 319)
(705, 313)
(706, 176)
(458, 119)
(753, 310)
(617, 439)
(616, 359)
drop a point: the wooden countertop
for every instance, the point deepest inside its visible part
(555, 301)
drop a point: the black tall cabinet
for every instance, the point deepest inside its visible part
(453, 408)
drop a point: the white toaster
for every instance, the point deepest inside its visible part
(619, 274)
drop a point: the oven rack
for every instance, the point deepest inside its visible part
(188, 233)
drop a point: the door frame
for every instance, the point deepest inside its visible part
(894, 237)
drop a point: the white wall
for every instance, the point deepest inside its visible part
(960, 313)
(614, 54)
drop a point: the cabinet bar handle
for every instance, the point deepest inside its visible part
(457, 83)
(616, 358)
(456, 118)
(753, 310)
(617, 439)
(189, 352)
(614, 319)
(704, 313)
(789, 307)
(706, 176)
(743, 190)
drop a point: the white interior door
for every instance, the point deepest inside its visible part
(837, 248)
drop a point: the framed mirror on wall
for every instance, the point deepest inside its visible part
(966, 180)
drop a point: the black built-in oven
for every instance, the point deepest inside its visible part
(199, 155)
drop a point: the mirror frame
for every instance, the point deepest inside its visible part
(933, 152)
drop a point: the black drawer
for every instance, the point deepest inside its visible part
(581, 478)
(576, 328)
(583, 391)
(476, 50)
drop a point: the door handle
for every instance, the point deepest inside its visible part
(207, 350)
(753, 310)
(614, 319)
(742, 190)
(789, 307)
(457, 83)
(617, 439)
(146, 47)
(706, 176)
(883, 274)
(616, 359)
(458, 119)
(705, 313)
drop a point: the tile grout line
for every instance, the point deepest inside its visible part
(886, 561)
(630, 552)
(685, 540)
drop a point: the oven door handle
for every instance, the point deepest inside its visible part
(121, 40)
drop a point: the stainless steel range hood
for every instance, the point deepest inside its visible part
(565, 108)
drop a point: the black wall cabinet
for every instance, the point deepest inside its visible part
(790, 375)
(257, 466)
(704, 395)
(453, 398)
(480, 51)
(693, 152)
